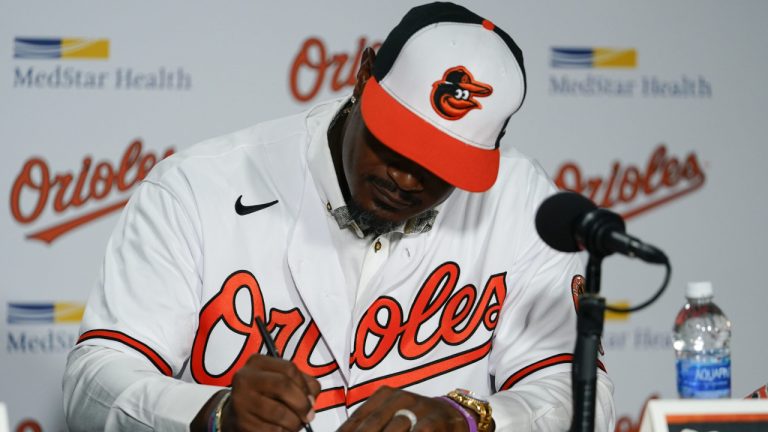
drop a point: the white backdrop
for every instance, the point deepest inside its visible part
(672, 138)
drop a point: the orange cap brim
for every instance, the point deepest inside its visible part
(463, 165)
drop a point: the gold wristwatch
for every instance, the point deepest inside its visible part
(471, 401)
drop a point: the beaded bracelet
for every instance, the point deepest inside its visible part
(214, 421)
(471, 422)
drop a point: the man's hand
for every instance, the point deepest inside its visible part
(267, 394)
(377, 414)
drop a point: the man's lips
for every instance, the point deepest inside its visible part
(390, 199)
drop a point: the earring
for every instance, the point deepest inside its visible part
(350, 104)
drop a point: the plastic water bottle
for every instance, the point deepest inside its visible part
(701, 340)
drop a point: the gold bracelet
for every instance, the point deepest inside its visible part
(471, 401)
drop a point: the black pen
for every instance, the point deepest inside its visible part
(272, 351)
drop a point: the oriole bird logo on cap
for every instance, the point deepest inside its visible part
(454, 95)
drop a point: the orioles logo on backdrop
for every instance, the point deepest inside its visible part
(634, 189)
(37, 188)
(315, 67)
(29, 425)
(454, 95)
(461, 312)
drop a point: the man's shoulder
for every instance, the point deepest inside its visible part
(521, 186)
(515, 165)
(214, 153)
(267, 142)
(521, 180)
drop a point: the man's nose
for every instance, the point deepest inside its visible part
(406, 179)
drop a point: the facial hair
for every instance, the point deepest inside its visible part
(369, 222)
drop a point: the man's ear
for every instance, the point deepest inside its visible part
(365, 71)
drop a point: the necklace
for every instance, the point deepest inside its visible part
(342, 113)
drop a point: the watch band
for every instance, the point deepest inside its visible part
(479, 406)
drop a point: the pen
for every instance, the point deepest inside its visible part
(272, 351)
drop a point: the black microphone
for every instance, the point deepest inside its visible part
(569, 222)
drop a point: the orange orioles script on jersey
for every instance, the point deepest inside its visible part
(461, 313)
(454, 95)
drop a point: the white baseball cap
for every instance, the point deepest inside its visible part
(445, 83)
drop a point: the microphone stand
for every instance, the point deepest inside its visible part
(591, 315)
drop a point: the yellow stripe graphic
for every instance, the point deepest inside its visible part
(616, 316)
(614, 58)
(68, 312)
(78, 48)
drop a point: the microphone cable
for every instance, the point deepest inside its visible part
(643, 305)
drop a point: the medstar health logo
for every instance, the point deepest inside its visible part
(45, 313)
(594, 58)
(60, 48)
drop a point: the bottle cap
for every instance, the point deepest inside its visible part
(699, 289)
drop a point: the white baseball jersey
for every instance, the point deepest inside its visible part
(477, 302)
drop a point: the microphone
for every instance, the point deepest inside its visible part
(569, 222)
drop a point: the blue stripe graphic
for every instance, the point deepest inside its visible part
(30, 313)
(572, 57)
(36, 48)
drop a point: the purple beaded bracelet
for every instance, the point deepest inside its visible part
(471, 423)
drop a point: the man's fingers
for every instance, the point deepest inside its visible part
(312, 384)
(247, 421)
(275, 413)
(283, 367)
(273, 394)
(314, 390)
(419, 414)
(397, 423)
(373, 414)
(274, 386)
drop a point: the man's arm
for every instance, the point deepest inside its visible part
(542, 405)
(139, 321)
(138, 329)
(105, 389)
(545, 404)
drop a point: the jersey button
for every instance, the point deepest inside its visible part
(328, 206)
(377, 246)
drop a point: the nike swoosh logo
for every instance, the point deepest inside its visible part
(243, 210)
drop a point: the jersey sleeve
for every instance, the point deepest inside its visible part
(536, 333)
(108, 390)
(149, 288)
(535, 337)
